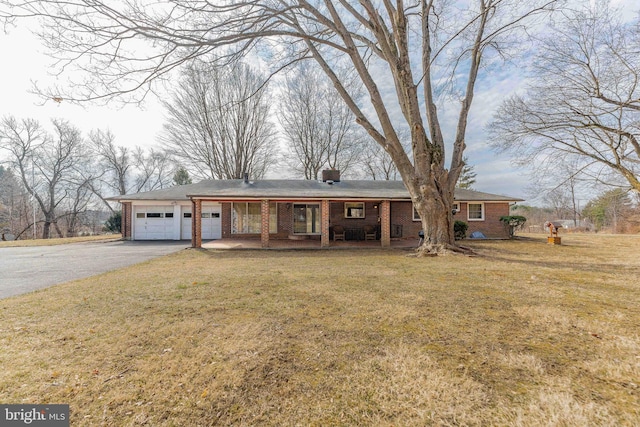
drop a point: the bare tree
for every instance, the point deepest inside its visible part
(218, 122)
(401, 53)
(115, 162)
(376, 163)
(15, 208)
(44, 162)
(154, 169)
(79, 199)
(583, 104)
(122, 170)
(319, 128)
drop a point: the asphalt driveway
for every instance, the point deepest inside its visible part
(25, 269)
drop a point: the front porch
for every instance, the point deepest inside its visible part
(285, 244)
(301, 223)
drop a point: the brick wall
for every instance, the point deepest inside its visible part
(225, 219)
(325, 209)
(285, 219)
(196, 223)
(491, 226)
(402, 215)
(371, 215)
(127, 217)
(402, 223)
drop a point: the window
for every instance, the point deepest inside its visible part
(246, 218)
(354, 210)
(475, 211)
(187, 215)
(155, 215)
(456, 207)
(306, 219)
(416, 217)
(205, 215)
(168, 215)
(140, 214)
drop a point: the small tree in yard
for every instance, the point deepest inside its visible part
(460, 229)
(114, 223)
(610, 209)
(412, 59)
(512, 223)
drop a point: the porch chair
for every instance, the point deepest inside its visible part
(338, 233)
(369, 232)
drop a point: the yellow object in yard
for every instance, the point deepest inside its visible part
(555, 240)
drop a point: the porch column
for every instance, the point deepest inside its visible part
(324, 223)
(264, 228)
(127, 220)
(385, 224)
(196, 223)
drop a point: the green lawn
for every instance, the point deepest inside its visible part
(524, 333)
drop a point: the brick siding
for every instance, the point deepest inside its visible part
(491, 226)
(264, 223)
(401, 222)
(371, 215)
(402, 215)
(127, 217)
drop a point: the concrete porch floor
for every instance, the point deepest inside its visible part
(306, 244)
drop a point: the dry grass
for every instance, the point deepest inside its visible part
(524, 334)
(59, 241)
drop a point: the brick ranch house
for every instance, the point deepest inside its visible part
(295, 209)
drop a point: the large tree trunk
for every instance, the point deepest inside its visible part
(433, 202)
(46, 229)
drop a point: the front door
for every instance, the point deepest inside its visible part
(306, 219)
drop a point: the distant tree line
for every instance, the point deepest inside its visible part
(54, 182)
(613, 211)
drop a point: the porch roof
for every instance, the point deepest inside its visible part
(289, 189)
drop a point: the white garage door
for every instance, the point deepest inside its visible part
(153, 223)
(211, 223)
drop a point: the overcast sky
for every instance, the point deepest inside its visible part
(24, 61)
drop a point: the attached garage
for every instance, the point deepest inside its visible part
(153, 223)
(211, 222)
(172, 221)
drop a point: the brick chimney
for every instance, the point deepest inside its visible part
(331, 175)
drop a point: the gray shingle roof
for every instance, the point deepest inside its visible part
(229, 189)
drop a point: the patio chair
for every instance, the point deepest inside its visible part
(338, 233)
(369, 232)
